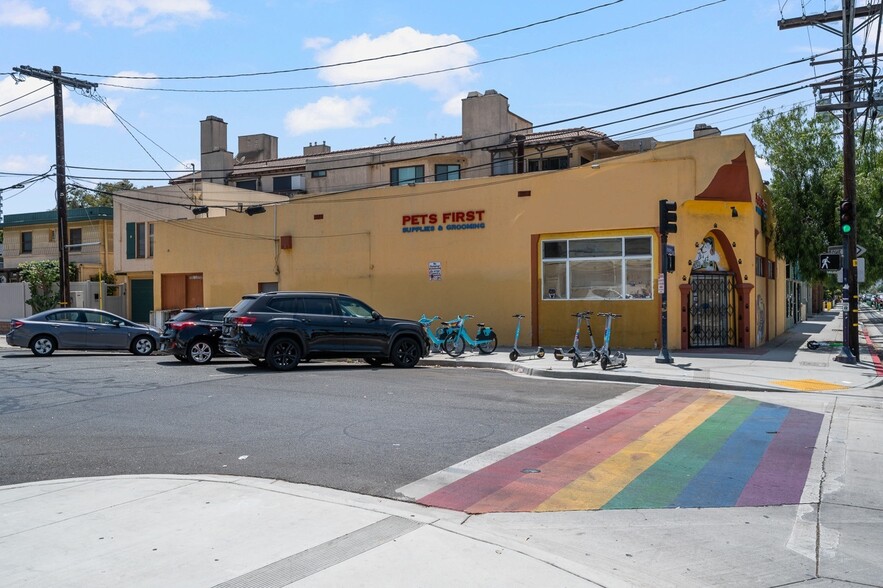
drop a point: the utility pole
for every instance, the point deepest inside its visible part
(58, 80)
(846, 87)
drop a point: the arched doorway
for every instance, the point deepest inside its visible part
(711, 303)
(712, 309)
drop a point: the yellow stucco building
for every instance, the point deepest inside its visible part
(545, 244)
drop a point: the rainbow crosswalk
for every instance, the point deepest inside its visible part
(669, 447)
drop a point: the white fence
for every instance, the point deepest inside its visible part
(83, 295)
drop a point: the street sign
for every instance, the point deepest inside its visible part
(830, 262)
(859, 250)
(860, 271)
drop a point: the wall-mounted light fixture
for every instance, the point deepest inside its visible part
(733, 212)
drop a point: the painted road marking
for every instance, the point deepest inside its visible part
(668, 447)
(809, 385)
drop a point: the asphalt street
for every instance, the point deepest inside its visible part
(345, 426)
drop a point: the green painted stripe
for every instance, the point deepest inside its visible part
(662, 482)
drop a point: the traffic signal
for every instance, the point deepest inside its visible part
(846, 220)
(668, 217)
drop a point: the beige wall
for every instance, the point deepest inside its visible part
(45, 245)
(355, 242)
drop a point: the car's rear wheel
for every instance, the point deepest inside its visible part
(200, 352)
(283, 354)
(43, 346)
(143, 346)
(405, 353)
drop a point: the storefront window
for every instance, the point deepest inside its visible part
(617, 268)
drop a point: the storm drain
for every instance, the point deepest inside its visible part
(306, 563)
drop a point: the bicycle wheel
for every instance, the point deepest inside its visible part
(488, 345)
(454, 344)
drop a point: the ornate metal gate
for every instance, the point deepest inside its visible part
(712, 310)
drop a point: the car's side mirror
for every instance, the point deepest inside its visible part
(117, 323)
(375, 315)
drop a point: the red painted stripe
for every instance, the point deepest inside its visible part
(878, 365)
(461, 494)
(530, 491)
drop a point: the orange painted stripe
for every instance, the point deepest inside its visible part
(528, 491)
(596, 487)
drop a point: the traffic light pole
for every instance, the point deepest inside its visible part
(667, 224)
(850, 351)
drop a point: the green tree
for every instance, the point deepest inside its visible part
(42, 277)
(806, 185)
(101, 195)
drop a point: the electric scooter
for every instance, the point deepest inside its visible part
(559, 352)
(609, 357)
(591, 355)
(516, 353)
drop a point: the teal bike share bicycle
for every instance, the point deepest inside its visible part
(436, 337)
(455, 343)
(609, 357)
(516, 353)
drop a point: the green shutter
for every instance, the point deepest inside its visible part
(130, 240)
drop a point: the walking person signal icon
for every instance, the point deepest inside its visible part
(830, 262)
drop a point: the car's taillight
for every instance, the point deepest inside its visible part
(244, 321)
(16, 324)
(182, 325)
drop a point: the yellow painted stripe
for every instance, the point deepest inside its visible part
(809, 385)
(593, 489)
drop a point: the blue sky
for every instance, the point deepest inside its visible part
(591, 65)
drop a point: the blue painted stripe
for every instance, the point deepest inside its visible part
(722, 480)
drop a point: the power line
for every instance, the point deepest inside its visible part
(25, 95)
(427, 73)
(457, 140)
(358, 61)
(25, 106)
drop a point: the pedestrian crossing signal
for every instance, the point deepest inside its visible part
(830, 262)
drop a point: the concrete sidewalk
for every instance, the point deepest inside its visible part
(782, 364)
(241, 532)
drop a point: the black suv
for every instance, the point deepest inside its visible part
(283, 328)
(192, 335)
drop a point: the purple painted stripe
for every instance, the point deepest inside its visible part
(781, 475)
(466, 491)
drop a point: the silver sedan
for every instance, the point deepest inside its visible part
(81, 328)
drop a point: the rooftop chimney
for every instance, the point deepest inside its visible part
(704, 130)
(215, 160)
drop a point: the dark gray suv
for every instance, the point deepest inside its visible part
(280, 329)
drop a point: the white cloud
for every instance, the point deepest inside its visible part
(25, 164)
(149, 14)
(149, 82)
(89, 113)
(399, 41)
(332, 112)
(453, 106)
(27, 96)
(32, 94)
(766, 171)
(20, 13)
(316, 42)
